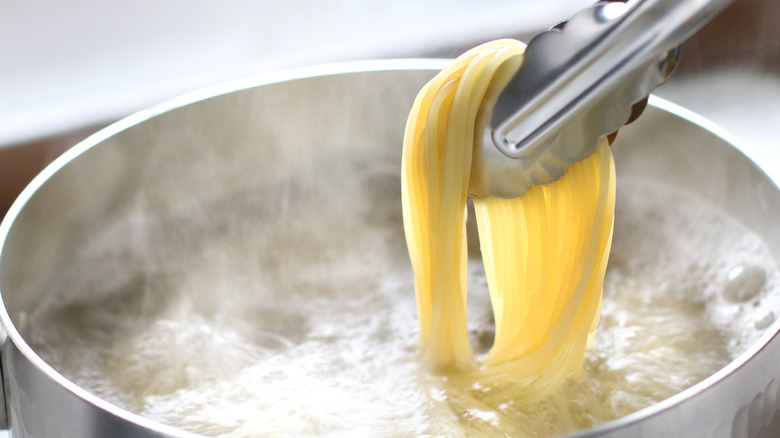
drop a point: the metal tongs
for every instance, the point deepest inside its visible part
(578, 83)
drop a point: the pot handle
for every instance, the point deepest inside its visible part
(3, 405)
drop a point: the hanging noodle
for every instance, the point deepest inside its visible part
(544, 253)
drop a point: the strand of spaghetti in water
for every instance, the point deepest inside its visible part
(544, 253)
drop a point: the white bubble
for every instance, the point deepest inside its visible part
(743, 283)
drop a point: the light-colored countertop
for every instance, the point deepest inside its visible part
(746, 102)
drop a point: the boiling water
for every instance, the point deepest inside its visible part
(241, 334)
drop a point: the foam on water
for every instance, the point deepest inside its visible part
(212, 346)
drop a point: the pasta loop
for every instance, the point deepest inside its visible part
(544, 253)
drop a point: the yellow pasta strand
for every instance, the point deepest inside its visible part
(544, 253)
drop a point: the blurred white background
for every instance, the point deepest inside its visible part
(77, 63)
(69, 67)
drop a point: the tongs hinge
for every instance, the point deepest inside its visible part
(577, 84)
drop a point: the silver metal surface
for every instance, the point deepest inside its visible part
(3, 410)
(577, 84)
(235, 139)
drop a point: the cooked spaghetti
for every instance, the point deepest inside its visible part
(544, 253)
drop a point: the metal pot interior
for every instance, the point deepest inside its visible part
(317, 156)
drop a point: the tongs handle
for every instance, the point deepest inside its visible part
(608, 57)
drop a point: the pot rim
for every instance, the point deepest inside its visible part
(397, 64)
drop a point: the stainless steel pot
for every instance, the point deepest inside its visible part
(234, 137)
